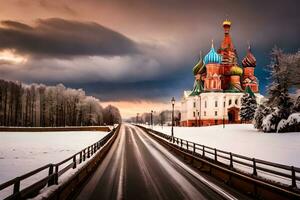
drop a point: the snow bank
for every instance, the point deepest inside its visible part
(21, 152)
(245, 140)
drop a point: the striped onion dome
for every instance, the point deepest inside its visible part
(198, 68)
(249, 60)
(212, 56)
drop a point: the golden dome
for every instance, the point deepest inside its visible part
(227, 22)
(236, 70)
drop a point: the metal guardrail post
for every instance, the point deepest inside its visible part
(187, 145)
(231, 160)
(88, 156)
(56, 175)
(80, 157)
(216, 156)
(17, 186)
(74, 161)
(181, 143)
(51, 180)
(84, 154)
(203, 151)
(254, 167)
(194, 148)
(294, 185)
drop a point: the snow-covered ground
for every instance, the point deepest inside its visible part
(21, 152)
(243, 139)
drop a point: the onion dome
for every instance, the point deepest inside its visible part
(212, 56)
(249, 60)
(199, 67)
(236, 70)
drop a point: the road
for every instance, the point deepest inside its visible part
(137, 167)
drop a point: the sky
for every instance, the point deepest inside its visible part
(135, 54)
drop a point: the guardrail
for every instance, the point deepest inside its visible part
(54, 171)
(272, 173)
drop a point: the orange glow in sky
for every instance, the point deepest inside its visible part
(131, 108)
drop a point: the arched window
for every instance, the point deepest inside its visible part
(229, 103)
(216, 113)
(205, 104)
(216, 103)
(204, 113)
(236, 102)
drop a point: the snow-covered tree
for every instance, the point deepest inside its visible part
(296, 107)
(248, 107)
(261, 112)
(278, 90)
(111, 115)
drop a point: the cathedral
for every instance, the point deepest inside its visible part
(220, 83)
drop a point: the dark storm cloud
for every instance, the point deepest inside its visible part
(59, 38)
(179, 29)
(151, 90)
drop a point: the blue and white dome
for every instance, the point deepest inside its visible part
(212, 56)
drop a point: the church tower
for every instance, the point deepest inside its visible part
(212, 62)
(229, 56)
(249, 64)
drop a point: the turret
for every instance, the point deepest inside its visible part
(228, 54)
(249, 64)
(212, 63)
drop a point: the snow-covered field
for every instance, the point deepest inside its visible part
(243, 139)
(21, 152)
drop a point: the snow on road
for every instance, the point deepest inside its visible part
(21, 152)
(245, 140)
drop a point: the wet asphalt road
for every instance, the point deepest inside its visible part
(137, 167)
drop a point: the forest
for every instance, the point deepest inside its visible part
(38, 105)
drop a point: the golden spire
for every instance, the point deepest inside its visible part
(212, 43)
(249, 46)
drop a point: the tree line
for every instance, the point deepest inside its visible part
(158, 118)
(38, 105)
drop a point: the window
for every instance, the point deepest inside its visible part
(205, 104)
(194, 104)
(216, 113)
(194, 114)
(224, 104)
(236, 102)
(230, 102)
(216, 103)
(198, 113)
(204, 113)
